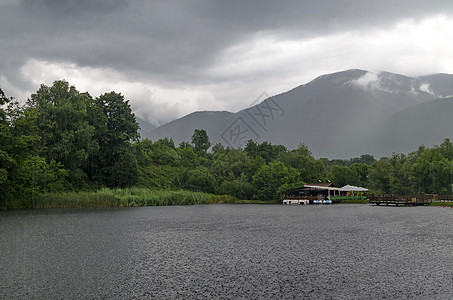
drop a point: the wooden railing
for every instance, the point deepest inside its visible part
(403, 200)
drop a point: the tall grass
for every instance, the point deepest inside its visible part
(127, 197)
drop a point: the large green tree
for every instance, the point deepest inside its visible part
(266, 150)
(66, 134)
(269, 178)
(230, 164)
(6, 161)
(310, 169)
(342, 176)
(116, 129)
(23, 170)
(200, 140)
(163, 152)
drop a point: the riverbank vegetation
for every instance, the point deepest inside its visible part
(437, 203)
(64, 148)
(128, 197)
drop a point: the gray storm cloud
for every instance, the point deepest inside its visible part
(178, 43)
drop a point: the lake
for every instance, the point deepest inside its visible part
(228, 252)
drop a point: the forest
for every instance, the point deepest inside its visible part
(62, 141)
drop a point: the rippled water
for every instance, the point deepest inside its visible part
(228, 252)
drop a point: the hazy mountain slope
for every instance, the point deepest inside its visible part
(439, 84)
(182, 129)
(334, 115)
(326, 121)
(425, 124)
(145, 126)
(323, 85)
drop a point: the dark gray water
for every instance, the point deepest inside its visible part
(228, 252)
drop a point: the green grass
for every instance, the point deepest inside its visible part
(441, 204)
(354, 201)
(127, 197)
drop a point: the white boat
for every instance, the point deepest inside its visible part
(295, 201)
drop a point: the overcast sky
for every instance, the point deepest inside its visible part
(171, 58)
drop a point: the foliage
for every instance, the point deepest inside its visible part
(62, 123)
(269, 178)
(303, 161)
(344, 175)
(239, 188)
(126, 198)
(115, 130)
(62, 148)
(197, 179)
(265, 150)
(200, 140)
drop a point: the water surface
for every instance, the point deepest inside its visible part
(228, 252)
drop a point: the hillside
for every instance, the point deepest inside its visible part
(424, 124)
(336, 115)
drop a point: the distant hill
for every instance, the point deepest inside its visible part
(337, 115)
(424, 124)
(145, 126)
(182, 129)
(441, 84)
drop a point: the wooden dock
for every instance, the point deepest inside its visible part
(402, 200)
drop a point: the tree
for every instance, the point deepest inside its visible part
(310, 169)
(363, 159)
(24, 172)
(380, 177)
(239, 188)
(266, 150)
(229, 164)
(200, 141)
(6, 161)
(342, 176)
(115, 130)
(164, 153)
(269, 178)
(362, 170)
(3, 122)
(5, 134)
(187, 155)
(446, 149)
(400, 177)
(217, 149)
(62, 121)
(424, 169)
(196, 179)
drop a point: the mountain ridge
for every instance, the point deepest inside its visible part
(334, 114)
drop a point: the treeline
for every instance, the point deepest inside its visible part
(62, 140)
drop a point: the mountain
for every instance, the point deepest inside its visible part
(424, 124)
(145, 126)
(337, 115)
(440, 84)
(182, 129)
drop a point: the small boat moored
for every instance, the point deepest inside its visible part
(296, 201)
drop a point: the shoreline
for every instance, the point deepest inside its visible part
(141, 197)
(129, 197)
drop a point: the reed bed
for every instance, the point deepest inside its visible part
(129, 197)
